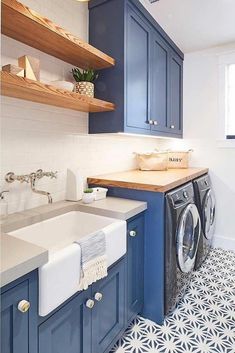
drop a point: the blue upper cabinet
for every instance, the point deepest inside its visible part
(146, 82)
(137, 73)
(159, 85)
(176, 94)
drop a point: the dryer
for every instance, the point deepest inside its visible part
(205, 201)
(182, 233)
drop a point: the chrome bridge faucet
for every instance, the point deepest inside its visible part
(32, 178)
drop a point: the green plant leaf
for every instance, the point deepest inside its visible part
(88, 191)
(84, 75)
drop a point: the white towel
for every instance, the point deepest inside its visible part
(93, 259)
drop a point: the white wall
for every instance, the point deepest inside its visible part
(201, 120)
(37, 136)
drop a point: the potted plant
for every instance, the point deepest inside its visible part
(88, 196)
(84, 81)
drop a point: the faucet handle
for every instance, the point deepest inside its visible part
(40, 174)
(53, 175)
(11, 177)
(2, 194)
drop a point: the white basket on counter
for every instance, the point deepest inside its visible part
(163, 160)
(178, 159)
(152, 160)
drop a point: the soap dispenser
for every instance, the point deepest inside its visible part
(74, 187)
(3, 205)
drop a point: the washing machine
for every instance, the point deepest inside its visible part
(182, 234)
(205, 201)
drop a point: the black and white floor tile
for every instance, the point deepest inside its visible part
(203, 322)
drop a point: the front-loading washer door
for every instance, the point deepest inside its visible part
(187, 237)
(208, 214)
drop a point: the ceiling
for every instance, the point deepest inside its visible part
(195, 24)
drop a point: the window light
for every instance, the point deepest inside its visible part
(230, 101)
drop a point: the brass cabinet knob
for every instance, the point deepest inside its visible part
(155, 122)
(98, 296)
(90, 303)
(132, 233)
(23, 306)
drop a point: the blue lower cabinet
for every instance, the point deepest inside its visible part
(69, 329)
(18, 320)
(135, 267)
(14, 324)
(108, 314)
(153, 249)
(82, 328)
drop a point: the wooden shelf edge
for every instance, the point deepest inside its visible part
(23, 24)
(23, 88)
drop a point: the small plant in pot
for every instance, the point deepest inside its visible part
(88, 196)
(84, 81)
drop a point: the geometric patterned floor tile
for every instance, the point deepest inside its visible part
(204, 320)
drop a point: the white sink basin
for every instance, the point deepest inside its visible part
(59, 278)
(58, 232)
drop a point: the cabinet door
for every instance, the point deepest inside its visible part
(176, 94)
(108, 314)
(69, 329)
(159, 84)
(135, 267)
(14, 323)
(137, 72)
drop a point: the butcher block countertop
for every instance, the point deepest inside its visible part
(157, 181)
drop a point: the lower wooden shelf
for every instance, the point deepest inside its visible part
(23, 88)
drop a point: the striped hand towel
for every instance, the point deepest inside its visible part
(93, 259)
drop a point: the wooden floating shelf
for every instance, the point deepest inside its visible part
(25, 25)
(23, 88)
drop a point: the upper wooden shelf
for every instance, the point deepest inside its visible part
(25, 25)
(23, 88)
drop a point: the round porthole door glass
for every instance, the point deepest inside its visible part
(209, 214)
(188, 234)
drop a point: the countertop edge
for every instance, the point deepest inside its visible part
(114, 214)
(11, 274)
(96, 180)
(195, 175)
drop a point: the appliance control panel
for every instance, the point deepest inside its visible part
(183, 195)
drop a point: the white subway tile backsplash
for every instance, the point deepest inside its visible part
(37, 136)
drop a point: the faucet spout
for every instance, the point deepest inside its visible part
(41, 192)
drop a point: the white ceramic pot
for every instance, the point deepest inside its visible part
(88, 197)
(84, 88)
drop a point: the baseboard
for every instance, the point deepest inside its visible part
(226, 243)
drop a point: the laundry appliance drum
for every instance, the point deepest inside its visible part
(187, 238)
(182, 235)
(208, 215)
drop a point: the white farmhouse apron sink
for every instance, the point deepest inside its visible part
(59, 277)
